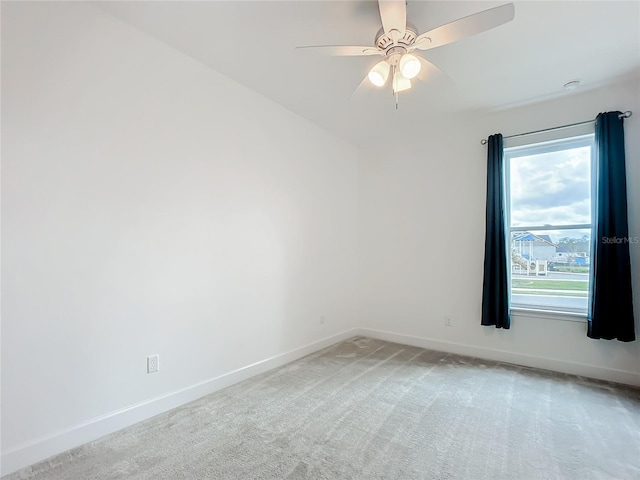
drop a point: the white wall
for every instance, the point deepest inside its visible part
(151, 205)
(422, 230)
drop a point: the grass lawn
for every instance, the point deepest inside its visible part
(543, 284)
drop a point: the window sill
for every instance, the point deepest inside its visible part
(549, 315)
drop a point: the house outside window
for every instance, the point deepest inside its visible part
(548, 224)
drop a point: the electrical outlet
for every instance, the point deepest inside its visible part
(153, 363)
(447, 321)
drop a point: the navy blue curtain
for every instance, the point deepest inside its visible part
(495, 295)
(611, 306)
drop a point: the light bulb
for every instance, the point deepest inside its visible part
(379, 74)
(409, 66)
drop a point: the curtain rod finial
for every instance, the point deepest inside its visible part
(483, 141)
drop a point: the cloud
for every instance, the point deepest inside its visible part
(551, 188)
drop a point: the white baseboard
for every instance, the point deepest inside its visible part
(43, 448)
(583, 370)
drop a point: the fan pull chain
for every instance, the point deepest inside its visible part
(394, 84)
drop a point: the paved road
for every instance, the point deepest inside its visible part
(546, 301)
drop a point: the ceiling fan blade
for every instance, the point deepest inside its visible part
(393, 14)
(340, 50)
(364, 90)
(430, 72)
(400, 84)
(465, 27)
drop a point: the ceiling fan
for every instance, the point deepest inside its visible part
(398, 40)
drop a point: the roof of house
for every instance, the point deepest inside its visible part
(532, 237)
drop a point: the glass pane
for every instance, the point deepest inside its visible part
(551, 188)
(550, 270)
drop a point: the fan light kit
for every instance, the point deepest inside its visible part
(397, 39)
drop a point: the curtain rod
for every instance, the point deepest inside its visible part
(626, 114)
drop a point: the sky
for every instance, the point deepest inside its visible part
(551, 189)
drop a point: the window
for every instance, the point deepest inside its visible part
(548, 223)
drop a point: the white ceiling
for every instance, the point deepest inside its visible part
(529, 59)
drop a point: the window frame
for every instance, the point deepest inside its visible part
(567, 142)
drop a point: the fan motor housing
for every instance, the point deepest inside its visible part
(385, 42)
(394, 54)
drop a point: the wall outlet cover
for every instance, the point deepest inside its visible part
(153, 363)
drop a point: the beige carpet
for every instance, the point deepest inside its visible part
(367, 409)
